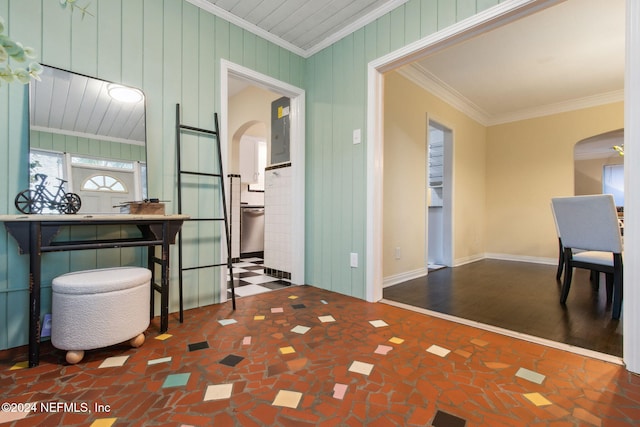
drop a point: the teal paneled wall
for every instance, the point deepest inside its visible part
(336, 105)
(86, 146)
(171, 50)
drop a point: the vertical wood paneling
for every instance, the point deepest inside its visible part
(171, 50)
(446, 13)
(412, 31)
(132, 42)
(84, 38)
(428, 17)
(383, 35)
(486, 4)
(56, 35)
(4, 197)
(109, 21)
(358, 165)
(465, 9)
(397, 23)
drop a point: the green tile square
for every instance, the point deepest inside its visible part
(176, 380)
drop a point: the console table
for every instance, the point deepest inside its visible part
(35, 235)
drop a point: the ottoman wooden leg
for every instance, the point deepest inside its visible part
(74, 356)
(137, 341)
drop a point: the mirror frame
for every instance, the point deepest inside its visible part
(91, 124)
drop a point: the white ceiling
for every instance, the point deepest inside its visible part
(564, 57)
(302, 26)
(72, 104)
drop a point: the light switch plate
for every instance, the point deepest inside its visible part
(357, 136)
(354, 259)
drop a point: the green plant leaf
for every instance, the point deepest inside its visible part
(6, 74)
(22, 75)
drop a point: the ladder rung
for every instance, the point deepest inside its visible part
(203, 266)
(199, 130)
(217, 175)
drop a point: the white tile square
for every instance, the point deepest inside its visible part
(243, 291)
(326, 319)
(112, 362)
(225, 322)
(286, 398)
(361, 367)
(218, 392)
(161, 360)
(256, 280)
(301, 329)
(378, 323)
(438, 351)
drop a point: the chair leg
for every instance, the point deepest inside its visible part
(617, 286)
(560, 259)
(610, 279)
(568, 273)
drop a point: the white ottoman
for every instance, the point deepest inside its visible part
(98, 308)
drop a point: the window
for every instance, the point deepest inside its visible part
(613, 182)
(103, 183)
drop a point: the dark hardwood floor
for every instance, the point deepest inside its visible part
(521, 297)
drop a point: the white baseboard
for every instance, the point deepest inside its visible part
(522, 258)
(468, 260)
(421, 272)
(403, 277)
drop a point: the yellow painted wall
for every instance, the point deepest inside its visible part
(529, 162)
(405, 125)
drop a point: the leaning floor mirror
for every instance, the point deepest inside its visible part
(88, 135)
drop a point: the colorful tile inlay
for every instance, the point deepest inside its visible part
(346, 373)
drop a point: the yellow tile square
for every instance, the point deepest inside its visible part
(103, 422)
(20, 365)
(396, 340)
(259, 317)
(537, 399)
(287, 350)
(163, 337)
(293, 297)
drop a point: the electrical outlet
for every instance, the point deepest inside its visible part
(398, 252)
(354, 260)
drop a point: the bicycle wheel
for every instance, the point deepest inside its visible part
(70, 203)
(28, 203)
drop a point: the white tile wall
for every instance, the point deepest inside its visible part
(277, 220)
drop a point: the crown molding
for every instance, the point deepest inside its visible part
(305, 53)
(426, 80)
(560, 107)
(218, 11)
(355, 26)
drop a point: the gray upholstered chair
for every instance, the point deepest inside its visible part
(590, 223)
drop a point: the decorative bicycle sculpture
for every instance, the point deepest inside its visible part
(33, 201)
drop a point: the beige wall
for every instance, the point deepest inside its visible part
(249, 114)
(406, 107)
(588, 173)
(504, 177)
(528, 163)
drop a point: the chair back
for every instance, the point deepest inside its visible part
(588, 222)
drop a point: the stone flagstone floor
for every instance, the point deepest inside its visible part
(302, 356)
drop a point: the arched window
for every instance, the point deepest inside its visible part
(103, 183)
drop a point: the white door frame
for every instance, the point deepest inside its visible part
(491, 18)
(297, 113)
